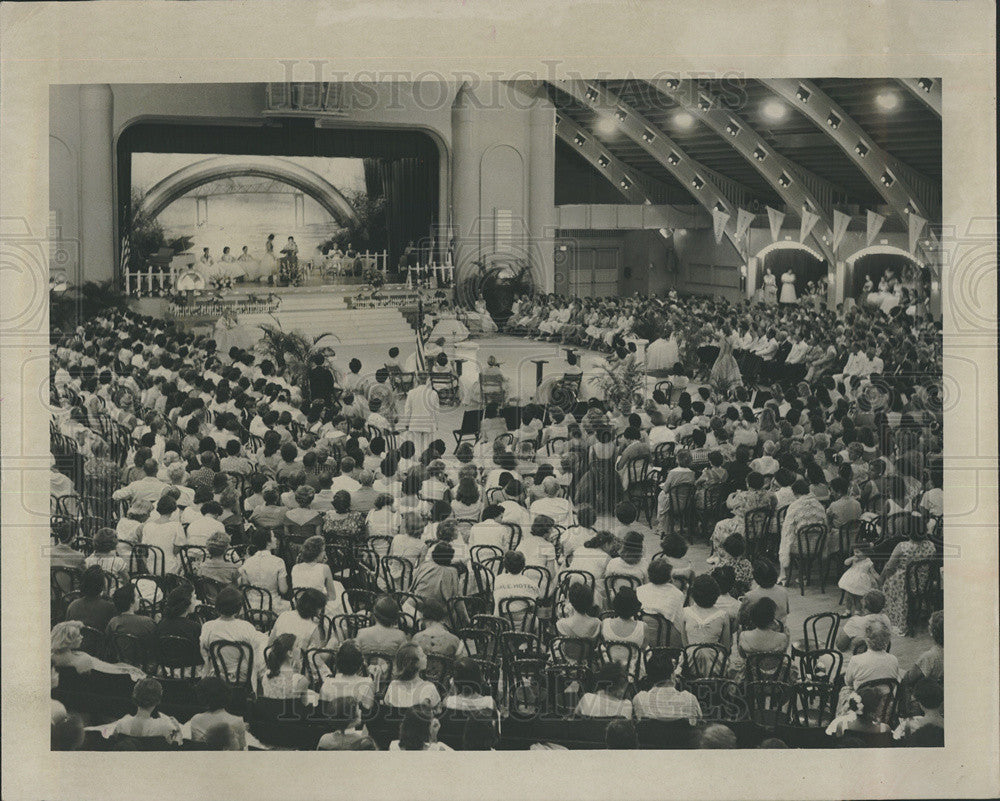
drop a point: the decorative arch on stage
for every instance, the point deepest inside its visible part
(211, 169)
(402, 166)
(807, 264)
(874, 261)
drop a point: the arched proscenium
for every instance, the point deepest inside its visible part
(689, 172)
(773, 167)
(202, 172)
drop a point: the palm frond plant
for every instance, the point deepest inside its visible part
(293, 353)
(622, 383)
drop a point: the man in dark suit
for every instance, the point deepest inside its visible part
(321, 381)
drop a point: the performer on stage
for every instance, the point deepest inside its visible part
(269, 265)
(788, 287)
(770, 287)
(663, 353)
(448, 326)
(206, 265)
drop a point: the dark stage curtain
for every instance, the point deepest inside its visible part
(406, 184)
(805, 267)
(297, 137)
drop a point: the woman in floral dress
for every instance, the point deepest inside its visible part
(739, 503)
(893, 578)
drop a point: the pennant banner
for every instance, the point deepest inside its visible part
(743, 220)
(840, 223)
(917, 224)
(719, 220)
(776, 218)
(808, 221)
(874, 225)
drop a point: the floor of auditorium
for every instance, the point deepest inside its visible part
(517, 357)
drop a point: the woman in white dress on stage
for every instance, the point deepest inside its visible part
(449, 326)
(485, 320)
(269, 264)
(788, 287)
(770, 287)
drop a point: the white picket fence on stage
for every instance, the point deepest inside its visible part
(158, 282)
(433, 274)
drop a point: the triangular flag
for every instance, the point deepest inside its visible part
(809, 219)
(840, 223)
(874, 225)
(719, 220)
(917, 224)
(743, 220)
(776, 218)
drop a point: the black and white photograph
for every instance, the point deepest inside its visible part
(539, 410)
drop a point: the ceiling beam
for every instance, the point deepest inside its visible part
(896, 182)
(782, 174)
(619, 174)
(650, 138)
(926, 90)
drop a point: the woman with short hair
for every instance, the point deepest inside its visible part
(311, 570)
(147, 722)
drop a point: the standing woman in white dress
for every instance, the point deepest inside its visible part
(788, 287)
(269, 264)
(770, 287)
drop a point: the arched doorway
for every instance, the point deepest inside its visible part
(807, 265)
(876, 262)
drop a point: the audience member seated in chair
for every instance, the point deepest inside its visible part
(435, 638)
(147, 722)
(347, 733)
(214, 695)
(607, 701)
(66, 641)
(384, 636)
(418, 731)
(407, 689)
(351, 678)
(663, 701)
(468, 688)
(282, 678)
(227, 627)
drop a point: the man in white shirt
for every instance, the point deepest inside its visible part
(205, 524)
(512, 583)
(148, 488)
(346, 481)
(558, 508)
(490, 531)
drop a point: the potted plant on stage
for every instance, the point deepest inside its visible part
(621, 383)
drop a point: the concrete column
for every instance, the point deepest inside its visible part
(838, 287)
(97, 198)
(464, 183)
(541, 190)
(751, 276)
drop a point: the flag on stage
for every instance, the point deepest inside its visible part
(743, 220)
(874, 225)
(917, 224)
(776, 218)
(126, 255)
(719, 220)
(421, 359)
(809, 219)
(840, 223)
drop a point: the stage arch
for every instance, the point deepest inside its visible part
(203, 172)
(874, 261)
(807, 263)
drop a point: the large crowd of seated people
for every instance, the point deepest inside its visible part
(227, 540)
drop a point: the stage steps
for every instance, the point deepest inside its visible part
(314, 314)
